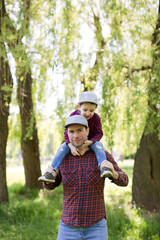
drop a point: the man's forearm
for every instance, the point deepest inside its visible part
(115, 175)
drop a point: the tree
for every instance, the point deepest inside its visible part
(29, 138)
(6, 84)
(146, 177)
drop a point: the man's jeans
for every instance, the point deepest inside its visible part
(97, 231)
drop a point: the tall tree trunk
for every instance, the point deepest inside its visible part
(29, 138)
(146, 176)
(5, 98)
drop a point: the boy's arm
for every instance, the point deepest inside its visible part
(66, 136)
(97, 129)
(74, 150)
(87, 143)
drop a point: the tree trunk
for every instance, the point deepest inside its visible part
(5, 98)
(29, 138)
(146, 177)
(3, 143)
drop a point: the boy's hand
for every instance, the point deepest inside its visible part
(83, 149)
(87, 143)
(74, 150)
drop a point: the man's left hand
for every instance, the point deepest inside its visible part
(109, 165)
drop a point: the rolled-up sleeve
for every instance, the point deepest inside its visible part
(51, 186)
(122, 178)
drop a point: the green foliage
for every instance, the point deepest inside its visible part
(124, 87)
(14, 138)
(106, 44)
(61, 114)
(108, 114)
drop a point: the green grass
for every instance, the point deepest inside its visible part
(33, 214)
(125, 222)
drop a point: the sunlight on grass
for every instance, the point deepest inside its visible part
(120, 196)
(15, 174)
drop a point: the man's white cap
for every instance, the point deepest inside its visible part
(76, 119)
(90, 97)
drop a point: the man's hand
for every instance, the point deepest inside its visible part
(109, 165)
(49, 169)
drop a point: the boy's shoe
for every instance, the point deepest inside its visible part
(48, 177)
(106, 172)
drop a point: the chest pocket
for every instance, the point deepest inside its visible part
(69, 177)
(93, 176)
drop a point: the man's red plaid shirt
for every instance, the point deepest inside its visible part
(83, 200)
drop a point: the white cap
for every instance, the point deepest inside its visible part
(76, 119)
(90, 97)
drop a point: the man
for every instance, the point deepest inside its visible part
(83, 215)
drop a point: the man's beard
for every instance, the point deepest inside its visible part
(77, 144)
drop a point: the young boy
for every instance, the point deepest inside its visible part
(86, 106)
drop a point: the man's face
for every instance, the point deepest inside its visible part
(77, 134)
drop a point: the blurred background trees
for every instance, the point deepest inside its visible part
(60, 48)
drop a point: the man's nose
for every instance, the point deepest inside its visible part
(75, 134)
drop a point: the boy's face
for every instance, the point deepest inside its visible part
(87, 109)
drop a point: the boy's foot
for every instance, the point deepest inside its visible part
(106, 172)
(48, 177)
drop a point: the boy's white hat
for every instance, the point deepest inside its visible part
(90, 97)
(76, 119)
